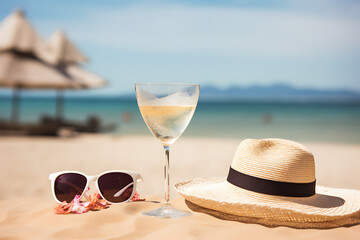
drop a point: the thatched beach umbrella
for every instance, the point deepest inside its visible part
(66, 56)
(63, 51)
(26, 62)
(24, 71)
(17, 34)
(22, 65)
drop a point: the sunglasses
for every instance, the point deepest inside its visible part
(113, 186)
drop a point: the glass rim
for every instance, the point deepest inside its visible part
(179, 84)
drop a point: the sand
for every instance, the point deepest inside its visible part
(26, 204)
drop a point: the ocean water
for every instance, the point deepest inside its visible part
(318, 122)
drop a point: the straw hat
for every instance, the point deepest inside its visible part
(272, 182)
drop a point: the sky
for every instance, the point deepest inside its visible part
(303, 43)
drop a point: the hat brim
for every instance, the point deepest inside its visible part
(340, 206)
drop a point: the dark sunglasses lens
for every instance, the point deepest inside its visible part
(68, 185)
(116, 187)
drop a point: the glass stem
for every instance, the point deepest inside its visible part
(166, 175)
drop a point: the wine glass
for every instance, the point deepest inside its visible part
(167, 110)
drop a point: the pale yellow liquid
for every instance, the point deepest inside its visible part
(167, 123)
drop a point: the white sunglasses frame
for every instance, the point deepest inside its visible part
(135, 176)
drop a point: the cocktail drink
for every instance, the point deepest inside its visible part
(167, 123)
(167, 110)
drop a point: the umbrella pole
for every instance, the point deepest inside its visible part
(15, 105)
(60, 104)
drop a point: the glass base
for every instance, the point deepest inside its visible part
(167, 211)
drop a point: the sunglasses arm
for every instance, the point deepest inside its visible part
(118, 194)
(140, 179)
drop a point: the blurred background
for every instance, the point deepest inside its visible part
(287, 69)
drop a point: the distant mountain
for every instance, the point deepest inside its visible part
(277, 92)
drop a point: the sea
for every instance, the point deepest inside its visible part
(238, 119)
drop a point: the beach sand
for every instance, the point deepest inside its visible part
(26, 204)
